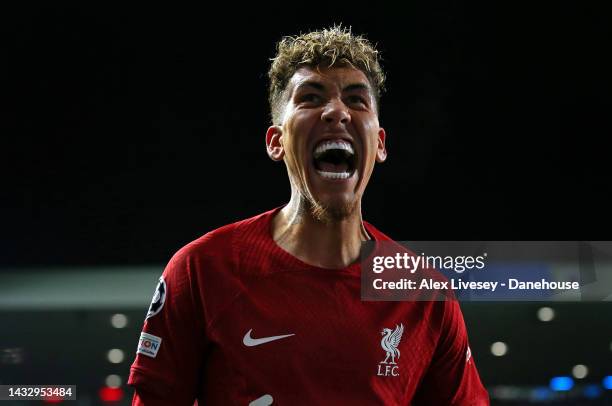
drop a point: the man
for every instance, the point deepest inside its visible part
(267, 310)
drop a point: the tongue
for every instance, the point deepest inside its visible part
(330, 167)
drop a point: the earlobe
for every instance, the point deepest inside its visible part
(274, 147)
(381, 151)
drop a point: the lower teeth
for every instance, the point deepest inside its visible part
(334, 175)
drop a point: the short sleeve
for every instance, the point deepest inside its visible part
(172, 343)
(452, 378)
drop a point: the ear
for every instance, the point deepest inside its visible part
(275, 149)
(381, 150)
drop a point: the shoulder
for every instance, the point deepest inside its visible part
(222, 244)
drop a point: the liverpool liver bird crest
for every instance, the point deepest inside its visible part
(390, 341)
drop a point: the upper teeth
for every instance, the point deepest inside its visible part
(327, 145)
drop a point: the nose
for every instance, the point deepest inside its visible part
(336, 112)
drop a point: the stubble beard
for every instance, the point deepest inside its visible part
(325, 213)
(330, 213)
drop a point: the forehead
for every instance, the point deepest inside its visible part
(334, 78)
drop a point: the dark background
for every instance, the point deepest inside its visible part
(128, 132)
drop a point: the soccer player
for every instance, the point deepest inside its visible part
(267, 310)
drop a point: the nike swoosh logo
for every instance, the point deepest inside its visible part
(252, 342)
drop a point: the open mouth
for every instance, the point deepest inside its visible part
(334, 159)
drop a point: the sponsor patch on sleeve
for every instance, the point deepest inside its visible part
(148, 345)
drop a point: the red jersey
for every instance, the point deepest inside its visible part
(236, 320)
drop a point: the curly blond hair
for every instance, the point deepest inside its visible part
(334, 46)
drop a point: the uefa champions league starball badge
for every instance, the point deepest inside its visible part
(159, 298)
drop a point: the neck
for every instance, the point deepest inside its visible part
(333, 245)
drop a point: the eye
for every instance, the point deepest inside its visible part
(310, 98)
(356, 99)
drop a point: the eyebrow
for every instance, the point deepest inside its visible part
(310, 83)
(321, 87)
(356, 86)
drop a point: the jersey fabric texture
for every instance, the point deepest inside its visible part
(244, 322)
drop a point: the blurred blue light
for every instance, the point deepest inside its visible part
(592, 391)
(541, 393)
(607, 382)
(561, 383)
